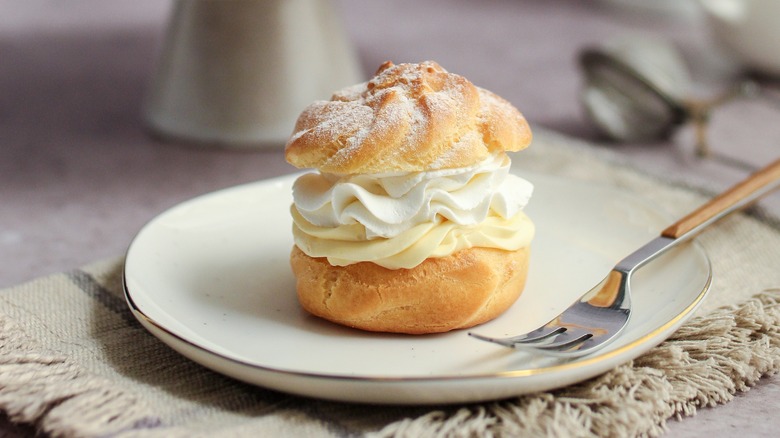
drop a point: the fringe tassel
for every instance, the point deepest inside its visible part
(57, 398)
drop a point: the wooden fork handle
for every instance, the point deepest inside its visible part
(742, 194)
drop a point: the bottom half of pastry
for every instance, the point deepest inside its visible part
(469, 287)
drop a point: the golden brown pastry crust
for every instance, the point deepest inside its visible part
(467, 288)
(409, 117)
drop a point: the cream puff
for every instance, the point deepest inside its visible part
(412, 222)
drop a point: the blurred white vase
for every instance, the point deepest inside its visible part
(748, 29)
(237, 73)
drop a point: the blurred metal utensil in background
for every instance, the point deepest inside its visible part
(639, 90)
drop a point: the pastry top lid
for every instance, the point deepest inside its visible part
(407, 118)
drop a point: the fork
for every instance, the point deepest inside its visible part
(603, 312)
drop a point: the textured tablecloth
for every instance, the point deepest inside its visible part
(79, 176)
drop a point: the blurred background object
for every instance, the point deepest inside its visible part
(237, 73)
(748, 30)
(633, 87)
(677, 9)
(639, 89)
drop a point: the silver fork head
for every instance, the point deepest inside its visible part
(585, 326)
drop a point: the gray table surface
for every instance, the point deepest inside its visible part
(79, 175)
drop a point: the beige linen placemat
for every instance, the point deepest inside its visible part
(74, 362)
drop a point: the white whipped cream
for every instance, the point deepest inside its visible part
(390, 204)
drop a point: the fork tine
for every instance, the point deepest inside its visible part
(500, 341)
(557, 346)
(526, 338)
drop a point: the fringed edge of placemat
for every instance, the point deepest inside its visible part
(704, 363)
(59, 398)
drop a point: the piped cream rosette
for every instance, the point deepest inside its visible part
(397, 220)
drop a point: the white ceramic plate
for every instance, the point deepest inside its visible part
(210, 278)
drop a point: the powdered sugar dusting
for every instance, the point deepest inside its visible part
(350, 117)
(450, 157)
(395, 115)
(350, 93)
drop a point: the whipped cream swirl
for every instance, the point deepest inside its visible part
(398, 220)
